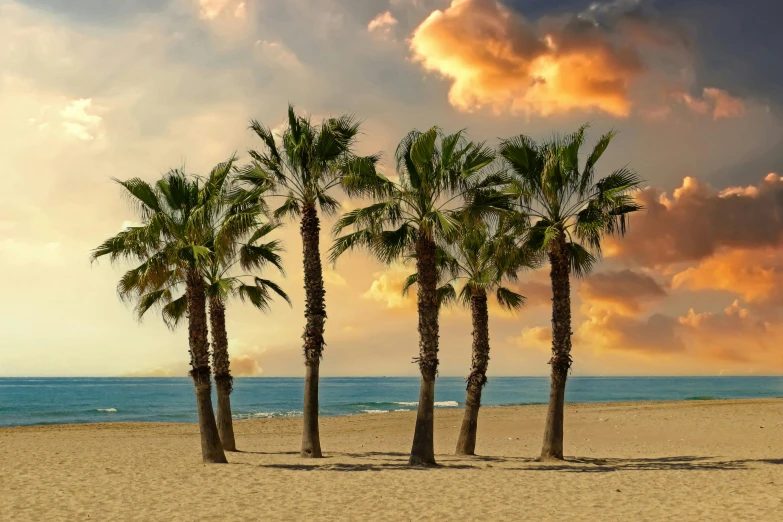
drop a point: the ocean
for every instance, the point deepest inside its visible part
(29, 401)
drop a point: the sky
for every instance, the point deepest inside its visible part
(91, 90)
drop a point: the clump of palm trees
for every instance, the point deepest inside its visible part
(468, 217)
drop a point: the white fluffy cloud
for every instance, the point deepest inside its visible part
(81, 121)
(382, 25)
(211, 9)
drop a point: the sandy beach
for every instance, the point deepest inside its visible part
(698, 460)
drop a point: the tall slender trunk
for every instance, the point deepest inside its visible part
(561, 348)
(315, 315)
(423, 449)
(223, 379)
(211, 450)
(466, 443)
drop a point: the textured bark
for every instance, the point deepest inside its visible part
(311, 441)
(315, 315)
(466, 443)
(423, 449)
(561, 348)
(223, 379)
(211, 449)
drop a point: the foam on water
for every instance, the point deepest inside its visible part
(107, 410)
(438, 404)
(266, 415)
(446, 404)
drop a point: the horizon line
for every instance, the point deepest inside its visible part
(363, 376)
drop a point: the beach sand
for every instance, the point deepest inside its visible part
(698, 460)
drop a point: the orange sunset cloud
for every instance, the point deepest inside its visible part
(498, 59)
(697, 221)
(386, 287)
(734, 335)
(717, 102)
(625, 291)
(755, 275)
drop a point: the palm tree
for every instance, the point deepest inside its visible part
(175, 241)
(438, 179)
(313, 160)
(220, 286)
(480, 260)
(572, 213)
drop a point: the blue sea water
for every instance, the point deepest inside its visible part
(27, 401)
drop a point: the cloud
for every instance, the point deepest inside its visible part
(536, 293)
(179, 369)
(245, 366)
(714, 101)
(625, 291)
(387, 288)
(656, 114)
(534, 337)
(755, 275)
(696, 221)
(151, 372)
(212, 9)
(382, 25)
(331, 277)
(725, 105)
(79, 121)
(276, 53)
(606, 330)
(734, 335)
(244, 358)
(496, 58)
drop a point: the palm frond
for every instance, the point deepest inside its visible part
(150, 300)
(581, 260)
(509, 299)
(409, 282)
(446, 295)
(174, 311)
(141, 195)
(257, 256)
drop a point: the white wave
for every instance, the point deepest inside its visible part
(402, 409)
(266, 415)
(375, 411)
(108, 410)
(440, 404)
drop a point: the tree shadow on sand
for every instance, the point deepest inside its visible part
(267, 452)
(677, 463)
(399, 461)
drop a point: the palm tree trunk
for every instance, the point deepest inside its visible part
(423, 449)
(561, 349)
(466, 443)
(211, 450)
(315, 315)
(223, 379)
